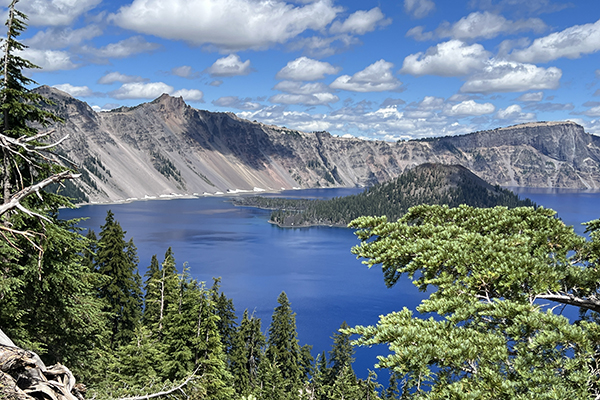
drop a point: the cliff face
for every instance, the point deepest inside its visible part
(166, 147)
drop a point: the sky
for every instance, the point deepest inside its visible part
(386, 70)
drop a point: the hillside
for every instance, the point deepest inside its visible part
(452, 185)
(167, 148)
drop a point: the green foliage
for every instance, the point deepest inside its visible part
(117, 261)
(488, 272)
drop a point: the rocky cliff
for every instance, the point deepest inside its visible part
(166, 148)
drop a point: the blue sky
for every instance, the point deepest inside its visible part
(383, 70)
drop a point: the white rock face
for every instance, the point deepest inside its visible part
(166, 148)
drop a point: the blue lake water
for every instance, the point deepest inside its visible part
(256, 260)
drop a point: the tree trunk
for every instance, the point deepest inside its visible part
(23, 376)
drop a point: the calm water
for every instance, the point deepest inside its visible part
(256, 260)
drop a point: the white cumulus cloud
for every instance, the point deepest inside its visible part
(361, 22)
(418, 8)
(55, 12)
(49, 60)
(75, 91)
(189, 94)
(534, 96)
(231, 65)
(227, 24)
(515, 113)
(123, 48)
(470, 108)
(114, 76)
(377, 77)
(152, 90)
(314, 99)
(570, 43)
(306, 69)
(185, 71)
(487, 25)
(451, 58)
(61, 37)
(140, 90)
(236, 102)
(509, 76)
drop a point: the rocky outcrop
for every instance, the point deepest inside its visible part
(166, 147)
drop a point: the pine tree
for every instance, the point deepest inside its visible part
(151, 295)
(226, 312)
(246, 355)
(47, 299)
(122, 293)
(282, 345)
(340, 356)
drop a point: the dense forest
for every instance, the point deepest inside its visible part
(451, 185)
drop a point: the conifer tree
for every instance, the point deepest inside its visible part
(226, 312)
(340, 356)
(151, 294)
(122, 293)
(246, 354)
(282, 345)
(47, 299)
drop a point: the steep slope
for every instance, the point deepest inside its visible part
(165, 147)
(427, 183)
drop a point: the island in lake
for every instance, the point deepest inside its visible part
(451, 185)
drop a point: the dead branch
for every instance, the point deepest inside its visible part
(15, 200)
(166, 392)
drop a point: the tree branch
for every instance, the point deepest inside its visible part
(15, 201)
(572, 300)
(166, 392)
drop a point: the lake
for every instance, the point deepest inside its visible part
(324, 282)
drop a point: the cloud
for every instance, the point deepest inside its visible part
(361, 22)
(487, 25)
(139, 90)
(593, 112)
(418, 8)
(535, 96)
(377, 77)
(306, 69)
(236, 102)
(231, 65)
(570, 43)
(470, 108)
(75, 91)
(49, 60)
(123, 48)
(548, 107)
(452, 58)
(55, 12)
(311, 94)
(185, 71)
(508, 76)
(515, 114)
(319, 47)
(152, 90)
(418, 34)
(113, 77)
(520, 7)
(314, 99)
(226, 24)
(59, 38)
(194, 95)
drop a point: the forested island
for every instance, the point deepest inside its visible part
(451, 185)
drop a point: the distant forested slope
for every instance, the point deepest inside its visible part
(425, 184)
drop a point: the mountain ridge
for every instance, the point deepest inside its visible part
(166, 147)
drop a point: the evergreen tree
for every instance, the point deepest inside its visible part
(151, 294)
(122, 292)
(47, 299)
(282, 345)
(340, 356)
(486, 271)
(246, 354)
(226, 313)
